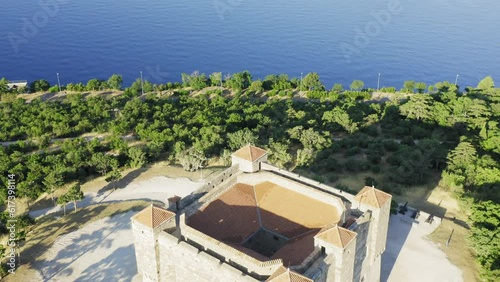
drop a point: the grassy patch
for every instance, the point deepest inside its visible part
(458, 251)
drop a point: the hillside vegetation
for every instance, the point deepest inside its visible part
(435, 135)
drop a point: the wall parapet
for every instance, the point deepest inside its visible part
(230, 254)
(207, 187)
(337, 192)
(308, 261)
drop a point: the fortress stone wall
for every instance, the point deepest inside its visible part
(167, 249)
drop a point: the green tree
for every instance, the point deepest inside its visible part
(52, 181)
(75, 194)
(115, 81)
(463, 156)
(309, 138)
(63, 201)
(341, 117)
(304, 157)
(39, 85)
(256, 86)
(408, 86)
(485, 238)
(357, 85)
(240, 80)
(337, 87)
(278, 153)
(113, 176)
(196, 80)
(93, 85)
(3, 85)
(216, 79)
(241, 138)
(420, 86)
(103, 163)
(486, 83)
(418, 107)
(312, 82)
(137, 157)
(191, 159)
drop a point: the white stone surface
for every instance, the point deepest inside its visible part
(100, 251)
(410, 257)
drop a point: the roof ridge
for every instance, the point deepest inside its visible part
(304, 233)
(336, 232)
(152, 214)
(257, 206)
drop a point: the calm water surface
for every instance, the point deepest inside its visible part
(426, 40)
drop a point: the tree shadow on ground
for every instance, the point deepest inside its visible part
(123, 182)
(116, 267)
(78, 245)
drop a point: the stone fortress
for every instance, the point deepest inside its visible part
(256, 222)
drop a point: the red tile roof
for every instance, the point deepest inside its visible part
(286, 275)
(231, 217)
(250, 153)
(337, 236)
(153, 216)
(290, 213)
(373, 197)
(234, 216)
(297, 249)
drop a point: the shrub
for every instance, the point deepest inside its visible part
(407, 140)
(353, 165)
(419, 132)
(391, 145)
(388, 89)
(371, 130)
(352, 151)
(54, 89)
(318, 178)
(333, 177)
(376, 169)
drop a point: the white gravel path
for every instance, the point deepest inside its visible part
(157, 188)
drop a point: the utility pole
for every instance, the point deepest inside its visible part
(142, 85)
(378, 82)
(58, 82)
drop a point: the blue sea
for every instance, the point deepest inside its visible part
(425, 40)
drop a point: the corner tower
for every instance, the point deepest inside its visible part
(146, 226)
(249, 158)
(379, 204)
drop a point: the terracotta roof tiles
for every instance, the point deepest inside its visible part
(243, 209)
(232, 217)
(286, 275)
(250, 153)
(153, 216)
(337, 236)
(373, 197)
